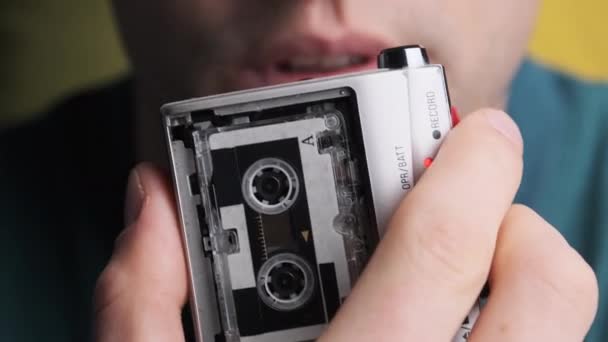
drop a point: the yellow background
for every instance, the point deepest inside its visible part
(573, 35)
(52, 48)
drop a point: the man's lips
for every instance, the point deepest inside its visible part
(305, 58)
(277, 75)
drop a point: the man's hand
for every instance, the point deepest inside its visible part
(140, 294)
(456, 229)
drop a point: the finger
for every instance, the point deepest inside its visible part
(434, 259)
(540, 288)
(140, 293)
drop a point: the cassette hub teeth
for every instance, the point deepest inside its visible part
(285, 282)
(270, 186)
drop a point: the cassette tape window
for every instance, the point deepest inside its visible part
(280, 210)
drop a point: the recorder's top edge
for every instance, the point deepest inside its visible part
(176, 108)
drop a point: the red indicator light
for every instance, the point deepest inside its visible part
(455, 116)
(428, 162)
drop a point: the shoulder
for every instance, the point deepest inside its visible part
(542, 87)
(563, 120)
(558, 113)
(82, 141)
(74, 128)
(62, 178)
(68, 143)
(68, 120)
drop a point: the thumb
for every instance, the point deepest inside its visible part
(140, 293)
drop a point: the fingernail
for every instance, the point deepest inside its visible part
(503, 124)
(134, 198)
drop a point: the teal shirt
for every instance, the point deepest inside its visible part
(564, 123)
(62, 182)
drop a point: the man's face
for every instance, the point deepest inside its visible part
(186, 48)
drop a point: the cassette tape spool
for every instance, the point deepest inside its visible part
(270, 186)
(288, 228)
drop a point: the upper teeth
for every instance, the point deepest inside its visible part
(323, 62)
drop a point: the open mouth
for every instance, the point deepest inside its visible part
(301, 58)
(305, 67)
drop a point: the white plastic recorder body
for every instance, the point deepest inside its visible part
(284, 191)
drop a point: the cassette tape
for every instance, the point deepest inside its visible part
(283, 192)
(291, 221)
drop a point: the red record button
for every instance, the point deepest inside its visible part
(455, 116)
(428, 162)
